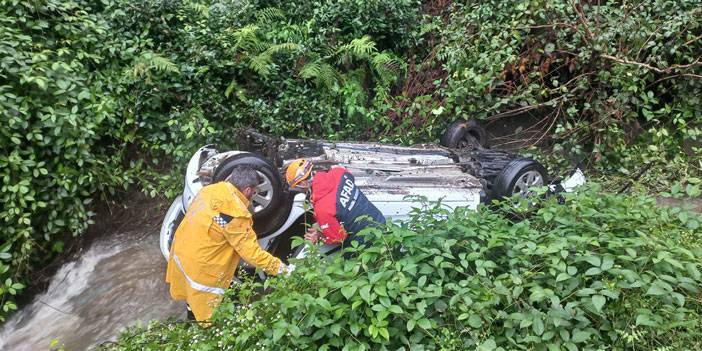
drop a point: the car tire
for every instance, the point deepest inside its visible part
(517, 177)
(465, 134)
(270, 208)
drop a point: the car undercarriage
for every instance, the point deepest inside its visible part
(396, 179)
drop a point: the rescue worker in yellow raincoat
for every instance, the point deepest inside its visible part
(215, 233)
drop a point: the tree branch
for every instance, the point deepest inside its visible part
(692, 41)
(650, 67)
(581, 18)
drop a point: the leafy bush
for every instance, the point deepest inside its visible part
(54, 113)
(613, 82)
(389, 22)
(601, 272)
(101, 95)
(98, 95)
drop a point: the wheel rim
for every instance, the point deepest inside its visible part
(264, 194)
(468, 140)
(527, 180)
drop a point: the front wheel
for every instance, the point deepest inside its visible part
(518, 176)
(271, 204)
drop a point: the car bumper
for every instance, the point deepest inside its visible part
(170, 224)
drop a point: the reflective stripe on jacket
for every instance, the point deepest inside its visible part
(215, 233)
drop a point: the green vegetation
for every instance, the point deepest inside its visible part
(618, 84)
(601, 272)
(56, 117)
(100, 96)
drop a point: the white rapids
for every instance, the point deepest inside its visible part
(117, 282)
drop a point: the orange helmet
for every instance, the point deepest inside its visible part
(298, 171)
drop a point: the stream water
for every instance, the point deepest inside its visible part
(116, 283)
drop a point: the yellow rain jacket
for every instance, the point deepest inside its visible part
(215, 233)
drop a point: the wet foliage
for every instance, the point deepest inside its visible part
(101, 96)
(600, 272)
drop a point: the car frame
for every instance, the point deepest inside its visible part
(396, 179)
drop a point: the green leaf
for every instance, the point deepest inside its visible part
(395, 309)
(324, 303)
(548, 216)
(365, 293)
(598, 301)
(607, 263)
(580, 336)
(410, 324)
(440, 305)
(373, 331)
(424, 323)
(593, 271)
(475, 321)
(562, 277)
(645, 319)
(278, 333)
(593, 260)
(549, 48)
(693, 224)
(380, 290)
(84, 94)
(348, 291)
(487, 345)
(658, 288)
(538, 326)
(692, 190)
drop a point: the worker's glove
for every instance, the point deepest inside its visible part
(312, 235)
(287, 269)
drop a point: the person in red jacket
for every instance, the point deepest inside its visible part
(340, 207)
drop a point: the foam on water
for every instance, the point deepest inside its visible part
(116, 283)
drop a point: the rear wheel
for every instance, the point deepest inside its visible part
(270, 205)
(465, 135)
(518, 176)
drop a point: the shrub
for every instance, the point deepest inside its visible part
(601, 272)
(53, 115)
(616, 83)
(96, 96)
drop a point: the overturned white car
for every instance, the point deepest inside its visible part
(459, 172)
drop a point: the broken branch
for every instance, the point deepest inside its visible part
(650, 67)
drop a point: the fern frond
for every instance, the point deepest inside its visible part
(329, 76)
(162, 64)
(246, 39)
(298, 33)
(269, 14)
(323, 74)
(387, 66)
(260, 64)
(283, 48)
(150, 61)
(199, 9)
(311, 70)
(358, 49)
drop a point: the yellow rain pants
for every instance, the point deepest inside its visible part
(215, 233)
